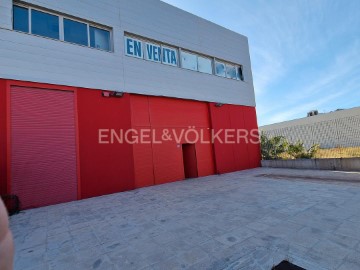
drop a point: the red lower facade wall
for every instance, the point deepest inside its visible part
(158, 163)
(104, 167)
(107, 166)
(245, 152)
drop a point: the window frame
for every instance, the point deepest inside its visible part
(171, 48)
(78, 21)
(61, 26)
(49, 13)
(145, 42)
(191, 53)
(101, 28)
(142, 48)
(211, 63)
(235, 67)
(13, 20)
(216, 61)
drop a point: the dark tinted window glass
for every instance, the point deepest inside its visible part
(99, 38)
(230, 72)
(220, 69)
(240, 74)
(75, 32)
(44, 24)
(21, 19)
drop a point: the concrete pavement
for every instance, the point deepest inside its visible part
(244, 220)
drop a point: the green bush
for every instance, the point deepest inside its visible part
(272, 148)
(278, 147)
(298, 150)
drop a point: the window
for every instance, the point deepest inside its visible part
(169, 56)
(188, 61)
(31, 20)
(99, 38)
(239, 74)
(231, 72)
(205, 65)
(21, 19)
(44, 24)
(153, 52)
(220, 69)
(75, 32)
(134, 47)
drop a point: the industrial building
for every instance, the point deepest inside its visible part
(339, 128)
(71, 71)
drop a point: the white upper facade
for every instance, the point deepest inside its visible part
(38, 59)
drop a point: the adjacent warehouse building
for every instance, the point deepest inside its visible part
(71, 71)
(330, 130)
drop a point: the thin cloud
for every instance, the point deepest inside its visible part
(290, 114)
(343, 65)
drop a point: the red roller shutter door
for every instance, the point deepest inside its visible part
(43, 146)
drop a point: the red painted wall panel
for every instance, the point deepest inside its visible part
(140, 111)
(238, 156)
(224, 153)
(104, 168)
(161, 113)
(170, 112)
(179, 115)
(143, 162)
(253, 146)
(205, 155)
(241, 150)
(3, 141)
(43, 146)
(143, 154)
(168, 162)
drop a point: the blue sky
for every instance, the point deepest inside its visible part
(305, 54)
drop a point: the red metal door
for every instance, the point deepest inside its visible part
(43, 146)
(190, 162)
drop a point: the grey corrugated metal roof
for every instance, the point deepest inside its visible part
(314, 119)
